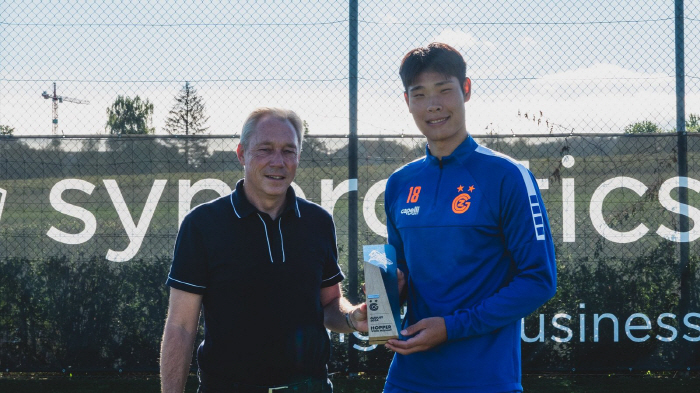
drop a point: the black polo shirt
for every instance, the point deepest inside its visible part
(261, 281)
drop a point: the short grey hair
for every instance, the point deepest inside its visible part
(276, 113)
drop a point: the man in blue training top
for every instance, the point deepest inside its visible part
(472, 239)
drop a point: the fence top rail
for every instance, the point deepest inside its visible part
(346, 136)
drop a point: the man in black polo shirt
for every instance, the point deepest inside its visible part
(263, 264)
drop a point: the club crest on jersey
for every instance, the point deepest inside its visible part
(461, 202)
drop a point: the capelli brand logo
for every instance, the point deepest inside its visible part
(411, 212)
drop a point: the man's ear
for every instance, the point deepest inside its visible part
(467, 89)
(405, 97)
(239, 154)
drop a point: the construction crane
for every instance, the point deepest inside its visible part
(56, 100)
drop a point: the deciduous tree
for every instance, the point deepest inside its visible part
(6, 130)
(130, 116)
(643, 127)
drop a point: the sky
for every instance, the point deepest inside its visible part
(581, 66)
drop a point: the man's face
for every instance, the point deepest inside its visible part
(270, 160)
(437, 105)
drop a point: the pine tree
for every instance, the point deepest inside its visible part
(313, 149)
(188, 117)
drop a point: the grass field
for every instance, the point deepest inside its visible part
(149, 383)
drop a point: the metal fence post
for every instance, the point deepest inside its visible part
(352, 175)
(684, 265)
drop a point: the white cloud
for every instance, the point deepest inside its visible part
(604, 80)
(601, 71)
(600, 98)
(389, 19)
(457, 38)
(527, 40)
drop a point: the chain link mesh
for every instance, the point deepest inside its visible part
(88, 226)
(555, 85)
(586, 66)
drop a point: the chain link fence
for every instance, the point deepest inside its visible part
(87, 224)
(537, 66)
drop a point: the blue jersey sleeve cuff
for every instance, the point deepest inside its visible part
(453, 328)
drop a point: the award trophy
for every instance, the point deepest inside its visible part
(381, 286)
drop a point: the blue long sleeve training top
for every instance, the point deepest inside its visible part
(472, 235)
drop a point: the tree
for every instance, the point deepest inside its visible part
(693, 123)
(643, 127)
(130, 116)
(313, 149)
(188, 117)
(6, 130)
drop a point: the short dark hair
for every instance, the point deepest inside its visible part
(436, 57)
